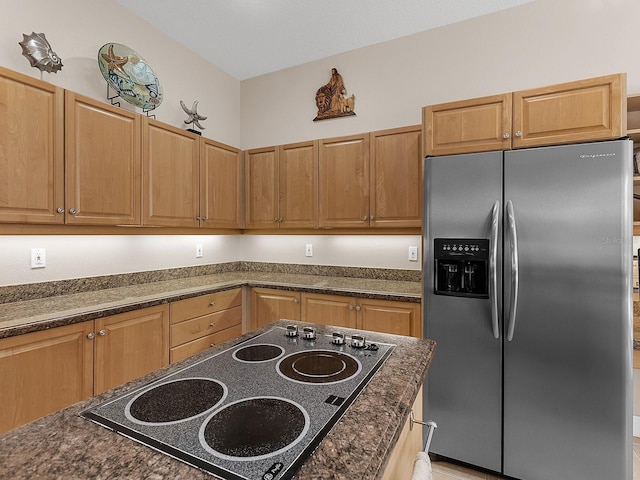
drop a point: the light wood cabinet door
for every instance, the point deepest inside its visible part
(325, 309)
(388, 316)
(170, 166)
(103, 163)
(220, 185)
(298, 185)
(31, 150)
(344, 182)
(584, 110)
(395, 193)
(269, 305)
(475, 125)
(261, 188)
(43, 372)
(129, 345)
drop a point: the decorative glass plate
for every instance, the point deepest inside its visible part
(130, 75)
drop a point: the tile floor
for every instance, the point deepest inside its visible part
(448, 471)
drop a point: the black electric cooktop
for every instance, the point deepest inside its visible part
(254, 411)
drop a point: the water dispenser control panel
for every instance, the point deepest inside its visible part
(461, 267)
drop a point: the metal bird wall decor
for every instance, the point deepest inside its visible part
(194, 117)
(39, 53)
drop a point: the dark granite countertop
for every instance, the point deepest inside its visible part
(24, 316)
(66, 446)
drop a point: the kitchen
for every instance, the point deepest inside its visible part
(552, 44)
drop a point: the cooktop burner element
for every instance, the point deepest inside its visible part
(189, 397)
(319, 366)
(258, 353)
(253, 411)
(255, 427)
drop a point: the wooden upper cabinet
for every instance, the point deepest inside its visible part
(220, 185)
(103, 163)
(170, 166)
(396, 177)
(584, 110)
(344, 182)
(261, 188)
(298, 185)
(31, 150)
(475, 125)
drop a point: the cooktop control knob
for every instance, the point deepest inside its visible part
(309, 333)
(338, 338)
(292, 331)
(358, 341)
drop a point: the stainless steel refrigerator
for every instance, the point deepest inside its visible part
(528, 295)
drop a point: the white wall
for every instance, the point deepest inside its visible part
(76, 31)
(536, 44)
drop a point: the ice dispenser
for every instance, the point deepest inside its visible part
(461, 267)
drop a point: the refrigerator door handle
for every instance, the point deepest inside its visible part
(513, 241)
(493, 274)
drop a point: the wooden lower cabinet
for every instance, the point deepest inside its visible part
(130, 345)
(199, 323)
(403, 455)
(269, 305)
(387, 316)
(43, 372)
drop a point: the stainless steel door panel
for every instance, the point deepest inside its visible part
(463, 392)
(567, 400)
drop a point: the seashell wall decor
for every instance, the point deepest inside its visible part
(39, 53)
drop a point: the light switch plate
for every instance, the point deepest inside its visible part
(38, 258)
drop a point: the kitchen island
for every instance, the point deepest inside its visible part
(64, 445)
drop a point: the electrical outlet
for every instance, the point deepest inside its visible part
(199, 250)
(413, 254)
(38, 258)
(308, 250)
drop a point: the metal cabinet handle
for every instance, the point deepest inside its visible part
(358, 308)
(72, 211)
(60, 210)
(275, 220)
(90, 335)
(212, 304)
(213, 344)
(351, 307)
(212, 324)
(372, 217)
(513, 241)
(102, 333)
(295, 300)
(365, 218)
(493, 274)
(518, 133)
(505, 136)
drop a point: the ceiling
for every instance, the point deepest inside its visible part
(248, 38)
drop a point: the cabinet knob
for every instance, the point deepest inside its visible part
(212, 304)
(198, 218)
(372, 217)
(72, 211)
(213, 344)
(518, 133)
(90, 335)
(364, 219)
(295, 300)
(505, 136)
(60, 210)
(358, 308)
(212, 324)
(351, 307)
(102, 333)
(280, 220)
(205, 218)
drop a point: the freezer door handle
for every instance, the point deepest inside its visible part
(513, 241)
(493, 274)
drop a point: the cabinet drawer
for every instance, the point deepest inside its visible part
(195, 328)
(201, 344)
(205, 304)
